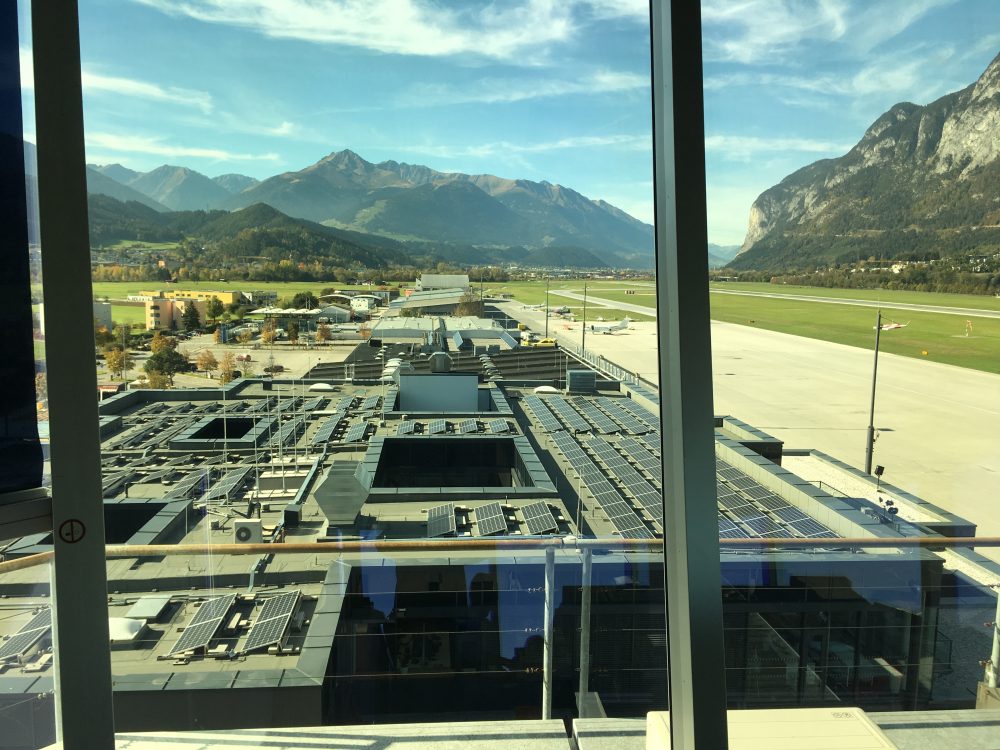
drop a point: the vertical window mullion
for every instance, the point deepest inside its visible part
(80, 624)
(691, 534)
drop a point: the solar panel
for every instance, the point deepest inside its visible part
(326, 430)
(441, 520)
(29, 634)
(191, 485)
(406, 427)
(539, 518)
(498, 426)
(356, 433)
(271, 623)
(568, 415)
(467, 426)
(437, 427)
(788, 514)
(345, 403)
(199, 631)
(229, 483)
(810, 527)
(542, 414)
(313, 404)
(370, 403)
(490, 519)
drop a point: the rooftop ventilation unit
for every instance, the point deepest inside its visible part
(248, 531)
(439, 362)
(581, 381)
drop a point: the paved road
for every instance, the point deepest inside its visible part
(969, 312)
(940, 424)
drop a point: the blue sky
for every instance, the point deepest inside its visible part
(540, 89)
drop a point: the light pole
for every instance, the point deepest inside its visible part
(546, 311)
(870, 440)
(583, 342)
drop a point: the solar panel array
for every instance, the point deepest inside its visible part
(636, 485)
(490, 519)
(406, 427)
(600, 421)
(270, 625)
(619, 512)
(437, 427)
(290, 431)
(441, 520)
(640, 414)
(345, 403)
(622, 417)
(467, 426)
(29, 634)
(642, 457)
(542, 415)
(314, 403)
(356, 432)
(371, 402)
(264, 405)
(568, 415)
(326, 430)
(199, 631)
(539, 518)
(498, 426)
(229, 484)
(748, 509)
(191, 485)
(289, 404)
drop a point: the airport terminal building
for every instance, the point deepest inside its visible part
(474, 498)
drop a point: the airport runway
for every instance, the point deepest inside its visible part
(940, 424)
(969, 312)
(603, 302)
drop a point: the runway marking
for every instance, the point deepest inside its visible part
(912, 306)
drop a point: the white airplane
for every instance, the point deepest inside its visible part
(611, 329)
(893, 326)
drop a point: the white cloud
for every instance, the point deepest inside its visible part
(124, 86)
(769, 31)
(742, 148)
(493, 91)
(113, 142)
(411, 27)
(143, 90)
(505, 148)
(637, 10)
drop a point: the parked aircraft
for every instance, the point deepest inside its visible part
(611, 328)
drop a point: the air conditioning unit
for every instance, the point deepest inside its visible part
(248, 531)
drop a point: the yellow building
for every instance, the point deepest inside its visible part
(166, 314)
(226, 298)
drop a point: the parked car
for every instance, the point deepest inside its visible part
(274, 368)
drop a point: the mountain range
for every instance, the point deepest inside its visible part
(401, 201)
(922, 179)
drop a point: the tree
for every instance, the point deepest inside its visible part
(157, 380)
(226, 368)
(323, 332)
(167, 362)
(293, 331)
(41, 386)
(304, 299)
(190, 318)
(245, 336)
(214, 308)
(469, 305)
(123, 335)
(217, 335)
(160, 343)
(207, 361)
(249, 368)
(102, 336)
(118, 361)
(268, 332)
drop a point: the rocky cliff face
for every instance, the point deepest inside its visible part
(921, 170)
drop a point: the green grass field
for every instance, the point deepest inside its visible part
(976, 301)
(941, 336)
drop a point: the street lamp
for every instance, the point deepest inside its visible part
(870, 439)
